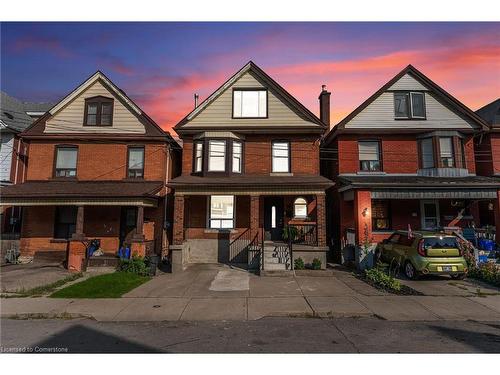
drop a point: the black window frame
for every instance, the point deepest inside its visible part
(99, 101)
(421, 152)
(57, 171)
(289, 146)
(409, 105)
(136, 173)
(250, 89)
(67, 228)
(225, 141)
(362, 167)
(240, 157)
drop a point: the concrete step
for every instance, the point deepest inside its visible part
(103, 261)
(275, 273)
(275, 266)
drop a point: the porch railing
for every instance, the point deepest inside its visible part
(306, 234)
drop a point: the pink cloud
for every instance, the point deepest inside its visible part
(32, 42)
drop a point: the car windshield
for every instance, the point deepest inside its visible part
(440, 243)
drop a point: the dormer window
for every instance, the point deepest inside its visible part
(409, 105)
(98, 111)
(249, 103)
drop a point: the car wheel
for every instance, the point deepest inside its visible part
(459, 276)
(410, 271)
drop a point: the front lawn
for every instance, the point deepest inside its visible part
(112, 285)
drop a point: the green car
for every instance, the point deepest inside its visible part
(424, 253)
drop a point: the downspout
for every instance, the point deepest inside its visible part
(167, 171)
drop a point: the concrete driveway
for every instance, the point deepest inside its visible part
(19, 277)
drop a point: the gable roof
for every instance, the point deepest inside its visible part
(491, 113)
(251, 67)
(13, 112)
(151, 127)
(442, 94)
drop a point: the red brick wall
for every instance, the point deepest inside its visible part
(96, 161)
(257, 154)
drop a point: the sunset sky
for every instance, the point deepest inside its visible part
(161, 65)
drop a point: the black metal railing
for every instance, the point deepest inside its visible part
(304, 234)
(238, 248)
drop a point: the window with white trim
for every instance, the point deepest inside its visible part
(446, 152)
(300, 208)
(198, 156)
(216, 156)
(66, 158)
(280, 156)
(409, 105)
(369, 156)
(237, 153)
(250, 103)
(221, 212)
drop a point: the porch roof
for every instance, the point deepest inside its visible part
(246, 184)
(422, 187)
(74, 192)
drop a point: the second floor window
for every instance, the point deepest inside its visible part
(250, 103)
(216, 156)
(446, 152)
(237, 152)
(198, 157)
(66, 158)
(369, 156)
(280, 156)
(409, 105)
(427, 153)
(135, 162)
(98, 111)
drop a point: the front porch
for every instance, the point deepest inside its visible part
(252, 231)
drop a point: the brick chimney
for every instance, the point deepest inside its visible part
(324, 105)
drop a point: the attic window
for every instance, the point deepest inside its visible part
(249, 103)
(98, 111)
(409, 105)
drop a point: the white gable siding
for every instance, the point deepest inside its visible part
(219, 112)
(407, 82)
(7, 140)
(380, 114)
(70, 118)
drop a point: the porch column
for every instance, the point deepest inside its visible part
(497, 217)
(178, 228)
(363, 216)
(139, 225)
(254, 214)
(76, 246)
(321, 219)
(79, 235)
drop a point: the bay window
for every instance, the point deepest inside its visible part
(237, 152)
(66, 158)
(198, 157)
(221, 212)
(249, 103)
(216, 156)
(369, 156)
(446, 152)
(427, 153)
(280, 156)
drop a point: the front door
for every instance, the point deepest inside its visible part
(273, 218)
(430, 214)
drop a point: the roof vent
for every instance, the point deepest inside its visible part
(196, 97)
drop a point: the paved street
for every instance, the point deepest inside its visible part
(269, 335)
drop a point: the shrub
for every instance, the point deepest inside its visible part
(316, 264)
(299, 264)
(137, 265)
(382, 279)
(488, 272)
(293, 231)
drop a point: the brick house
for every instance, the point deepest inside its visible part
(487, 151)
(97, 167)
(250, 171)
(404, 158)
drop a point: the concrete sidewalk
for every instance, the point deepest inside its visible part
(220, 293)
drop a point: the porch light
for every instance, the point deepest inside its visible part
(365, 212)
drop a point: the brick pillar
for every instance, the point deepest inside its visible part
(497, 216)
(178, 229)
(79, 235)
(363, 215)
(321, 219)
(254, 214)
(139, 225)
(76, 255)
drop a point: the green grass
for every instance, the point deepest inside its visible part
(112, 285)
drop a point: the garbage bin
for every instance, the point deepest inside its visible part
(153, 261)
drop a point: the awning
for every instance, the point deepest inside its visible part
(86, 193)
(434, 194)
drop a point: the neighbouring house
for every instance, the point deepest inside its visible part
(15, 116)
(404, 159)
(487, 151)
(97, 168)
(250, 174)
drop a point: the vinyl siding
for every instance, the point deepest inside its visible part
(219, 112)
(7, 140)
(70, 118)
(407, 82)
(380, 114)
